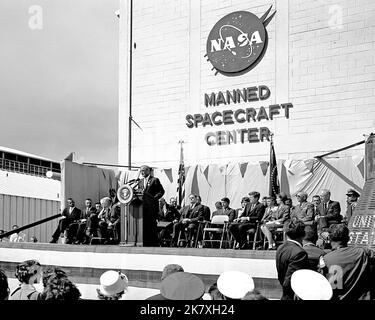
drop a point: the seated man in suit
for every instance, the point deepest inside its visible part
(190, 217)
(167, 213)
(109, 221)
(328, 211)
(82, 224)
(303, 211)
(70, 216)
(252, 214)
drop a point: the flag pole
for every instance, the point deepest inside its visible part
(181, 172)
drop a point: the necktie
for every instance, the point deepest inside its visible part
(324, 208)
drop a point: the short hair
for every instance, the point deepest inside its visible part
(4, 286)
(88, 199)
(311, 234)
(316, 196)
(169, 269)
(199, 197)
(303, 194)
(70, 199)
(294, 229)
(254, 295)
(97, 203)
(271, 198)
(245, 199)
(339, 233)
(60, 289)
(50, 272)
(25, 270)
(15, 226)
(255, 194)
(225, 199)
(265, 198)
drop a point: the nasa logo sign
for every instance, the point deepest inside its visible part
(238, 42)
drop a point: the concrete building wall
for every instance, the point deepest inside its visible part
(320, 58)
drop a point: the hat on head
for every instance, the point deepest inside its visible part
(235, 284)
(182, 286)
(311, 285)
(113, 282)
(352, 192)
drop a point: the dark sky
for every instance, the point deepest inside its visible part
(59, 84)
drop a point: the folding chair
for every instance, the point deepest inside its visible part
(218, 225)
(257, 236)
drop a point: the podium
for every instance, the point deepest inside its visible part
(132, 228)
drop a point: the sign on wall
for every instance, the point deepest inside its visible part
(238, 42)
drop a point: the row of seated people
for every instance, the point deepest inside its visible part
(101, 221)
(268, 217)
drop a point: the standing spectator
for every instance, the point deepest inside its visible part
(18, 236)
(348, 269)
(152, 192)
(219, 209)
(191, 215)
(303, 211)
(82, 223)
(113, 285)
(27, 273)
(4, 287)
(309, 245)
(351, 203)
(290, 256)
(251, 216)
(240, 211)
(70, 216)
(109, 225)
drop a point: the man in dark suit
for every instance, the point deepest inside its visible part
(82, 224)
(206, 209)
(167, 213)
(253, 212)
(290, 256)
(228, 211)
(328, 211)
(190, 217)
(152, 192)
(303, 211)
(71, 215)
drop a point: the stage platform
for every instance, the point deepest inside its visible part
(143, 266)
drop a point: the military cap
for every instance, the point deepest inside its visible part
(182, 286)
(311, 285)
(235, 284)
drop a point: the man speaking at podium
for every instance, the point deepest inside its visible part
(152, 192)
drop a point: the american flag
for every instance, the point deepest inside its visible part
(181, 178)
(274, 187)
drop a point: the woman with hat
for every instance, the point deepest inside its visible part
(28, 273)
(113, 284)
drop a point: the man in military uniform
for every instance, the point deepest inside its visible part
(351, 203)
(348, 269)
